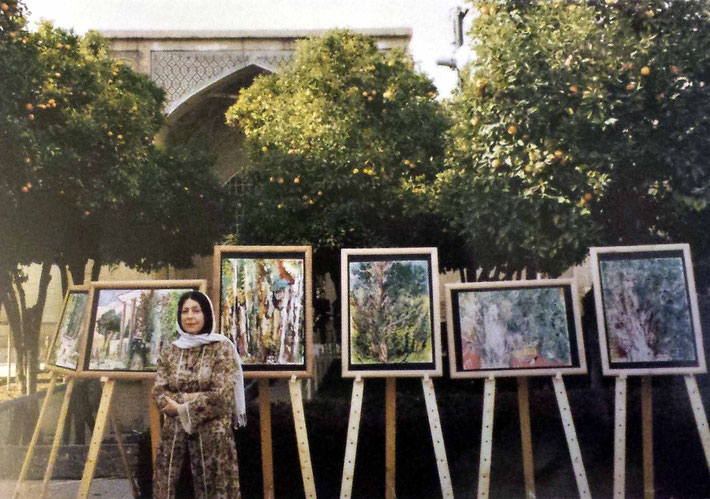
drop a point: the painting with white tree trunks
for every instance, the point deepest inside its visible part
(514, 328)
(647, 310)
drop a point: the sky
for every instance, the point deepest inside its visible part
(431, 21)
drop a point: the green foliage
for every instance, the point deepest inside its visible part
(75, 312)
(579, 123)
(81, 178)
(144, 325)
(168, 317)
(340, 143)
(109, 323)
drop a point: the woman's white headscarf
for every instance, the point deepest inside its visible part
(187, 340)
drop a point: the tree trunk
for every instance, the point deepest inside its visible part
(25, 324)
(32, 323)
(64, 275)
(470, 269)
(96, 270)
(14, 317)
(77, 272)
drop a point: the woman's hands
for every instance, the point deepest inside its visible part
(171, 409)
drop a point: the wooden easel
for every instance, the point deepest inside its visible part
(620, 401)
(103, 417)
(525, 436)
(484, 467)
(390, 436)
(35, 436)
(58, 436)
(299, 421)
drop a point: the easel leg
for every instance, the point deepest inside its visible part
(575, 453)
(526, 437)
(647, 436)
(154, 418)
(346, 487)
(484, 465)
(35, 435)
(620, 438)
(57, 438)
(304, 453)
(701, 419)
(390, 436)
(267, 458)
(124, 455)
(96, 437)
(437, 438)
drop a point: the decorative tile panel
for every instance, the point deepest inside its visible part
(181, 72)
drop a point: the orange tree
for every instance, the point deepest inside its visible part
(340, 142)
(80, 178)
(579, 123)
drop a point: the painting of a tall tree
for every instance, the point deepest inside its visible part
(647, 310)
(390, 313)
(519, 328)
(265, 306)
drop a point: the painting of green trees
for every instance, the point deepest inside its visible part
(390, 312)
(514, 328)
(65, 349)
(646, 310)
(262, 309)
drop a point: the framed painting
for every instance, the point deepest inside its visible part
(128, 323)
(514, 328)
(264, 295)
(64, 352)
(390, 312)
(647, 310)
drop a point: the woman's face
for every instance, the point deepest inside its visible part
(191, 317)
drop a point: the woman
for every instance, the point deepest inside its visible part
(200, 388)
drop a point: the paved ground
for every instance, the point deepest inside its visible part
(68, 489)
